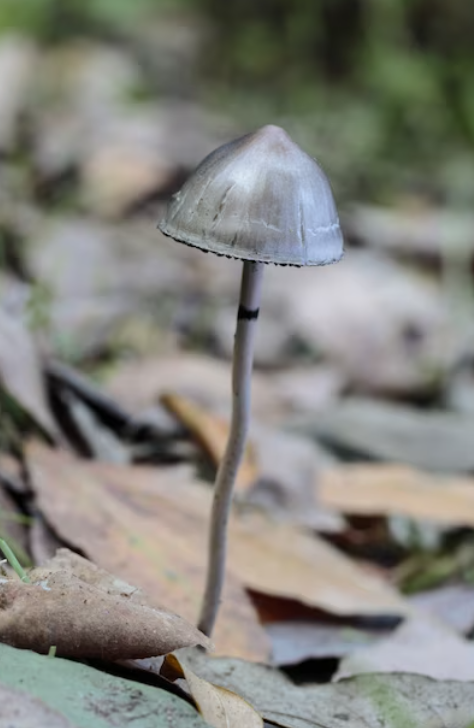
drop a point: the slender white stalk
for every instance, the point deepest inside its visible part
(249, 304)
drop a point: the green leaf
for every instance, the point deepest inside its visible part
(89, 698)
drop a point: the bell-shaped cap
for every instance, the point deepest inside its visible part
(258, 198)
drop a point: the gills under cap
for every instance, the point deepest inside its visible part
(259, 198)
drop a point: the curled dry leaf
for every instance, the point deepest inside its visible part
(211, 433)
(220, 707)
(82, 619)
(373, 489)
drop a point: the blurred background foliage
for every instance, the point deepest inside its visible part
(380, 90)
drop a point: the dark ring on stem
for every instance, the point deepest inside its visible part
(247, 313)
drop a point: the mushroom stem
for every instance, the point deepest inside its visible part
(250, 293)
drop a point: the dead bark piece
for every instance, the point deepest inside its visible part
(84, 621)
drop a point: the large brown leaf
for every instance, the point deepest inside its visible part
(283, 560)
(150, 526)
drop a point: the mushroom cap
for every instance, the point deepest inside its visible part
(260, 198)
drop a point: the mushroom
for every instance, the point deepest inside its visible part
(260, 199)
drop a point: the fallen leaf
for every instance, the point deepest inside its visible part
(89, 698)
(453, 604)
(98, 276)
(20, 371)
(431, 440)
(20, 710)
(288, 467)
(211, 432)
(135, 530)
(392, 489)
(365, 701)
(139, 384)
(282, 560)
(18, 64)
(422, 231)
(147, 526)
(219, 707)
(123, 166)
(11, 474)
(82, 619)
(13, 526)
(309, 389)
(296, 641)
(382, 324)
(278, 468)
(422, 646)
(43, 541)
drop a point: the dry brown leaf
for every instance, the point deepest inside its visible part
(220, 707)
(286, 561)
(373, 489)
(149, 527)
(364, 701)
(87, 618)
(12, 526)
(211, 432)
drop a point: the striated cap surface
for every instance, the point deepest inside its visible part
(258, 198)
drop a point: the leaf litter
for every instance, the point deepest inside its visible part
(384, 329)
